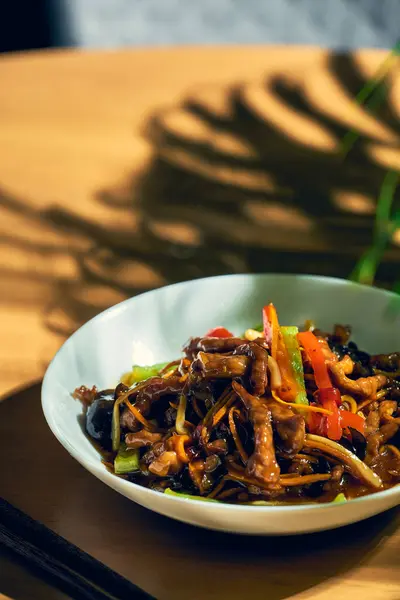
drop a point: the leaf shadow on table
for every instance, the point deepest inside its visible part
(242, 178)
(250, 179)
(167, 558)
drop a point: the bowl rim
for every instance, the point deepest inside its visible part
(105, 476)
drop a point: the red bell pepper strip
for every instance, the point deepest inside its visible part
(219, 332)
(328, 396)
(349, 419)
(316, 423)
(326, 425)
(273, 335)
(314, 352)
(332, 421)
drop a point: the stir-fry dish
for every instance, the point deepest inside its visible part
(274, 416)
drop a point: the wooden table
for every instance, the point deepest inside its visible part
(123, 171)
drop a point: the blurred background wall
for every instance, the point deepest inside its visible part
(337, 24)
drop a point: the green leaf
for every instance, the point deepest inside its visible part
(372, 95)
(365, 270)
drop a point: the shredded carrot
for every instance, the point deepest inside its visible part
(131, 391)
(138, 416)
(222, 411)
(219, 415)
(226, 395)
(235, 435)
(184, 377)
(302, 407)
(172, 405)
(205, 434)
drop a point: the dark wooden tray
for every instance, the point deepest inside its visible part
(168, 559)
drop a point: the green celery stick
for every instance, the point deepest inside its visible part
(293, 348)
(126, 461)
(170, 492)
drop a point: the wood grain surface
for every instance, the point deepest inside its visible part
(123, 171)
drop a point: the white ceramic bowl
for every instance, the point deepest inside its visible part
(153, 327)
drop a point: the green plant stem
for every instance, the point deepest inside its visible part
(385, 226)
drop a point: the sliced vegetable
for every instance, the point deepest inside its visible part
(181, 415)
(349, 419)
(170, 492)
(274, 374)
(127, 460)
(293, 348)
(332, 421)
(273, 335)
(317, 424)
(328, 396)
(115, 425)
(340, 498)
(314, 352)
(140, 373)
(270, 325)
(332, 425)
(219, 332)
